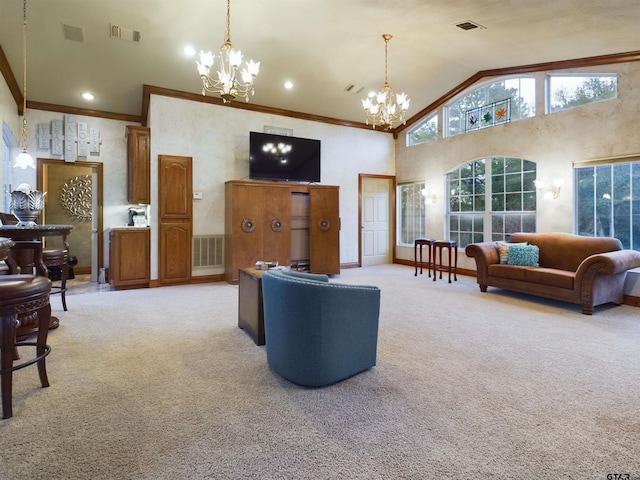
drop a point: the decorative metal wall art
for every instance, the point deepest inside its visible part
(76, 198)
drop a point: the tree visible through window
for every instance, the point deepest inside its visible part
(411, 213)
(482, 211)
(520, 90)
(608, 202)
(568, 91)
(425, 131)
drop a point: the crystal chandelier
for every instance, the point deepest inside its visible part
(228, 85)
(385, 112)
(24, 160)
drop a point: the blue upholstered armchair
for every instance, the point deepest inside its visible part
(318, 332)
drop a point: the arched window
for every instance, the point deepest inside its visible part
(501, 101)
(491, 198)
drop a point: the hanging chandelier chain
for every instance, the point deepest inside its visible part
(24, 76)
(386, 44)
(227, 33)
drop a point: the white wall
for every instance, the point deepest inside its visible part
(554, 141)
(217, 138)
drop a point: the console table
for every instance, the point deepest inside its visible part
(250, 309)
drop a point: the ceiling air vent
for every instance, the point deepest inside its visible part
(121, 33)
(468, 25)
(75, 34)
(351, 88)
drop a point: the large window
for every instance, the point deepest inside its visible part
(481, 210)
(608, 202)
(520, 91)
(411, 213)
(425, 131)
(568, 91)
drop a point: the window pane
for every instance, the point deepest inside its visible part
(528, 180)
(608, 202)
(513, 182)
(528, 223)
(604, 203)
(497, 203)
(529, 201)
(586, 207)
(426, 131)
(514, 201)
(412, 213)
(512, 165)
(568, 91)
(517, 201)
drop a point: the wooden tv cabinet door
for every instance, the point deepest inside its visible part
(258, 225)
(129, 258)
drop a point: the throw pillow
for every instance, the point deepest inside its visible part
(503, 250)
(523, 255)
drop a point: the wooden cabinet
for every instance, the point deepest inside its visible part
(129, 258)
(175, 192)
(138, 164)
(281, 222)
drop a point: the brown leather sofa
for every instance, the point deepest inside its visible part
(587, 271)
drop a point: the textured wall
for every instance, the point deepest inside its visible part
(217, 137)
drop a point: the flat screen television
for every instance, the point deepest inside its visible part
(279, 157)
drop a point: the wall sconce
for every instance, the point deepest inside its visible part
(549, 192)
(429, 196)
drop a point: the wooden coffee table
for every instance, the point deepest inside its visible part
(250, 310)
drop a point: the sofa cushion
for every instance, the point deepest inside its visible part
(523, 255)
(503, 250)
(552, 277)
(508, 271)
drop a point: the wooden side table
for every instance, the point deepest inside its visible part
(250, 309)
(420, 242)
(452, 248)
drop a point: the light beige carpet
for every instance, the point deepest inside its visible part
(161, 384)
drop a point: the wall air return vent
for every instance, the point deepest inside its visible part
(75, 34)
(122, 33)
(208, 251)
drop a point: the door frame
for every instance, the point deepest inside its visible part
(392, 229)
(42, 162)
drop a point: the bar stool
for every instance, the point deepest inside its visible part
(452, 248)
(27, 297)
(420, 242)
(58, 258)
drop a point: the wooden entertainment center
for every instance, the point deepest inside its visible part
(293, 224)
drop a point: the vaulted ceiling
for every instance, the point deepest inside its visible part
(322, 46)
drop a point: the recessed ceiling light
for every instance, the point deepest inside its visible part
(288, 84)
(88, 96)
(189, 51)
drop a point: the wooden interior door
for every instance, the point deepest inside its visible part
(175, 193)
(324, 229)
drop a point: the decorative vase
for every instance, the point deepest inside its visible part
(27, 206)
